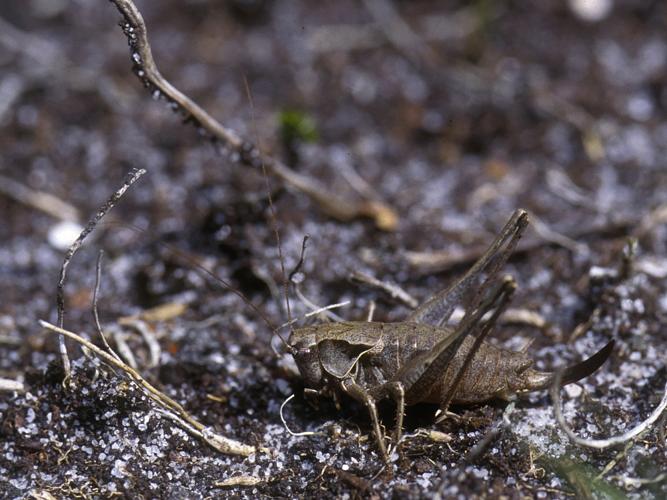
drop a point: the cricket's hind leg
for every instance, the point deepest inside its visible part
(447, 394)
(416, 380)
(437, 310)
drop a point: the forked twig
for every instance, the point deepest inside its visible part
(247, 152)
(602, 443)
(173, 409)
(130, 179)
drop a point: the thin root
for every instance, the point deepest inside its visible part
(282, 418)
(602, 443)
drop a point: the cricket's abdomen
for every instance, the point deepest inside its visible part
(493, 373)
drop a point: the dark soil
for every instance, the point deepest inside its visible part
(499, 106)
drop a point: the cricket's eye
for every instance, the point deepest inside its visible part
(524, 366)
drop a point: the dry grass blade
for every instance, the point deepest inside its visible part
(144, 66)
(170, 408)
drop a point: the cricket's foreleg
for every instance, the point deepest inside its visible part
(397, 393)
(437, 310)
(360, 394)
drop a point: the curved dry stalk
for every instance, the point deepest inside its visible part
(170, 408)
(247, 152)
(130, 179)
(602, 443)
(282, 419)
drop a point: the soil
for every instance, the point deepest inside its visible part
(484, 108)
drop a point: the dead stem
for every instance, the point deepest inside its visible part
(130, 179)
(247, 152)
(169, 407)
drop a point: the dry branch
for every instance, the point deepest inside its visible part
(169, 407)
(130, 179)
(244, 150)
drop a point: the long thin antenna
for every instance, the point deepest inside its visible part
(297, 268)
(272, 209)
(191, 262)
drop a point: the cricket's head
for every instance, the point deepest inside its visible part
(303, 345)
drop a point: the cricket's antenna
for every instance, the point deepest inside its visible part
(297, 268)
(274, 220)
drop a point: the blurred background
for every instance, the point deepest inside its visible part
(452, 113)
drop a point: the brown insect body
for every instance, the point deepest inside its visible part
(493, 372)
(424, 360)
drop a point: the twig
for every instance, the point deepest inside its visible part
(350, 37)
(317, 311)
(7, 384)
(119, 339)
(546, 233)
(39, 200)
(445, 260)
(149, 338)
(96, 292)
(8, 340)
(561, 185)
(238, 481)
(393, 290)
(637, 482)
(522, 316)
(246, 151)
(130, 179)
(371, 311)
(220, 443)
(602, 443)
